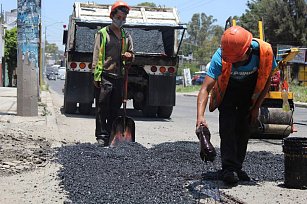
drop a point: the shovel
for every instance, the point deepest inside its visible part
(123, 127)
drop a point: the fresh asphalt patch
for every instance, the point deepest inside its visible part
(166, 173)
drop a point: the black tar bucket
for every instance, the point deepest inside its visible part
(295, 152)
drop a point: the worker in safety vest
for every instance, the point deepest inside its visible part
(238, 78)
(113, 48)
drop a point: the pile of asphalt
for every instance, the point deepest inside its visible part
(146, 41)
(133, 174)
(85, 39)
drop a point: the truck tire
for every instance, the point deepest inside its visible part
(165, 111)
(137, 105)
(85, 108)
(70, 107)
(150, 111)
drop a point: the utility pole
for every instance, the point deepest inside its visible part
(28, 20)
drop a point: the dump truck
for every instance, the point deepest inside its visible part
(157, 35)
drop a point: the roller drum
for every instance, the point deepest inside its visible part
(275, 116)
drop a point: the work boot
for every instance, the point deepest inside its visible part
(230, 177)
(243, 175)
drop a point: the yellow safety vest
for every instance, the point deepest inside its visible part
(102, 51)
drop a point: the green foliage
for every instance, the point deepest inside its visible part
(148, 4)
(10, 52)
(51, 48)
(300, 92)
(284, 21)
(203, 38)
(10, 49)
(192, 66)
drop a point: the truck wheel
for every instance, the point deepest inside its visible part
(165, 111)
(150, 111)
(70, 107)
(85, 108)
(137, 105)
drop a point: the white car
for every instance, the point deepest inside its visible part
(62, 73)
(62, 76)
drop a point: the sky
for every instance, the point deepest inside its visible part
(55, 13)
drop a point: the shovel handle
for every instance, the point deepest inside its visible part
(127, 66)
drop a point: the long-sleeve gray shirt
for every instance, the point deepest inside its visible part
(113, 62)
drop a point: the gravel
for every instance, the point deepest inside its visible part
(130, 173)
(144, 41)
(21, 153)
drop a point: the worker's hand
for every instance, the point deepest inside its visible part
(97, 84)
(201, 121)
(128, 56)
(253, 115)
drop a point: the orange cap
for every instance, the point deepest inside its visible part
(118, 4)
(235, 43)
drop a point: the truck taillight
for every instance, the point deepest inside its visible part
(73, 65)
(82, 65)
(153, 68)
(162, 69)
(171, 70)
(90, 65)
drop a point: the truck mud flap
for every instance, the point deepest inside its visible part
(161, 90)
(79, 87)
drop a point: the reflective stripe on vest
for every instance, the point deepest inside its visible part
(102, 51)
(264, 70)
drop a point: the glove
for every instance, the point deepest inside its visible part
(207, 151)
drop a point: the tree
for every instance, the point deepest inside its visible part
(203, 37)
(51, 48)
(10, 52)
(284, 20)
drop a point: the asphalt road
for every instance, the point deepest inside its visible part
(184, 112)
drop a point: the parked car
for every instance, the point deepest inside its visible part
(201, 78)
(62, 76)
(61, 73)
(179, 80)
(51, 76)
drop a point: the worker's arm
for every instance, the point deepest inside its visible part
(129, 54)
(202, 100)
(255, 110)
(96, 73)
(96, 51)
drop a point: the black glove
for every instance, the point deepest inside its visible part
(207, 151)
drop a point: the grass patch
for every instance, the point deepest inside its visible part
(187, 89)
(44, 87)
(300, 92)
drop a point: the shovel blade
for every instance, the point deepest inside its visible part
(123, 130)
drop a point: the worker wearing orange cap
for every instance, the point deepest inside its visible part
(238, 78)
(113, 48)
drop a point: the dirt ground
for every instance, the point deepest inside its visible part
(28, 171)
